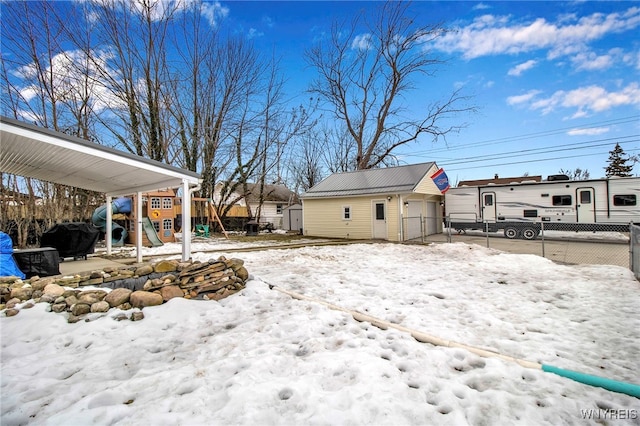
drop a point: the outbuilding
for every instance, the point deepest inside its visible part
(394, 203)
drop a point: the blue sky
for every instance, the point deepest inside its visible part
(556, 83)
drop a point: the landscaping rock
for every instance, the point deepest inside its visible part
(171, 291)
(23, 293)
(142, 299)
(101, 306)
(118, 297)
(54, 290)
(136, 286)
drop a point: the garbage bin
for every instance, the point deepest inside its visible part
(252, 227)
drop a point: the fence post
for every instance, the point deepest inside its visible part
(542, 232)
(632, 265)
(486, 231)
(422, 228)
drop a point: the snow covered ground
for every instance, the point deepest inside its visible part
(261, 357)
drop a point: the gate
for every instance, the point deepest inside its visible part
(634, 249)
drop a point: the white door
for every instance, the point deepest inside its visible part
(489, 206)
(379, 215)
(585, 207)
(414, 216)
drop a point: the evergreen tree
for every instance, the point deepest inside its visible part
(618, 163)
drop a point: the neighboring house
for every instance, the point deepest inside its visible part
(395, 204)
(275, 199)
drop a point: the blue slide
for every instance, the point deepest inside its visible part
(99, 219)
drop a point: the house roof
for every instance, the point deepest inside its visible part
(32, 151)
(391, 180)
(500, 181)
(274, 193)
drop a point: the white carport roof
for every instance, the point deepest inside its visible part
(31, 151)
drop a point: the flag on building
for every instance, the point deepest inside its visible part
(441, 180)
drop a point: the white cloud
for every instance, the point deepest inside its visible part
(492, 35)
(481, 6)
(361, 42)
(632, 59)
(253, 33)
(520, 68)
(268, 21)
(519, 99)
(588, 132)
(589, 99)
(214, 11)
(591, 61)
(75, 79)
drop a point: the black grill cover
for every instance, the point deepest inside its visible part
(71, 239)
(42, 262)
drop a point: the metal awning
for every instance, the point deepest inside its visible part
(31, 151)
(51, 156)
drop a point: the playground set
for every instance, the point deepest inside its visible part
(159, 219)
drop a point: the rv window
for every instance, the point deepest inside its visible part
(624, 200)
(585, 197)
(488, 199)
(561, 200)
(531, 213)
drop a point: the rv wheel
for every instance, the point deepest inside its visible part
(511, 233)
(529, 233)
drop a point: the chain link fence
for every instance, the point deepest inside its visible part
(561, 244)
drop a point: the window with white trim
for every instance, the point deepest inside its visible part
(346, 212)
(166, 203)
(167, 224)
(155, 203)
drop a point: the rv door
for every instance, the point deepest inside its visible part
(585, 208)
(488, 206)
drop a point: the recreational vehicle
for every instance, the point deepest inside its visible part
(520, 209)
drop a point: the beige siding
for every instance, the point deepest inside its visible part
(426, 185)
(323, 218)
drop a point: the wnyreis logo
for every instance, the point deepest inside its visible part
(609, 414)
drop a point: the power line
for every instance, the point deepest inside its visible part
(533, 151)
(524, 162)
(534, 135)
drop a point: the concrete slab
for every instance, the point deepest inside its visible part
(73, 267)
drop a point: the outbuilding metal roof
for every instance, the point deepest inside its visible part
(392, 180)
(32, 151)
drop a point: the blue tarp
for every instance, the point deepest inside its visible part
(8, 266)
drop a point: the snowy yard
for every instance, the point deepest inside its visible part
(262, 357)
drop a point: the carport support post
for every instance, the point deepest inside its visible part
(139, 227)
(108, 231)
(186, 221)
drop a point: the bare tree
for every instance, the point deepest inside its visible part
(131, 62)
(48, 87)
(364, 78)
(577, 174)
(306, 165)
